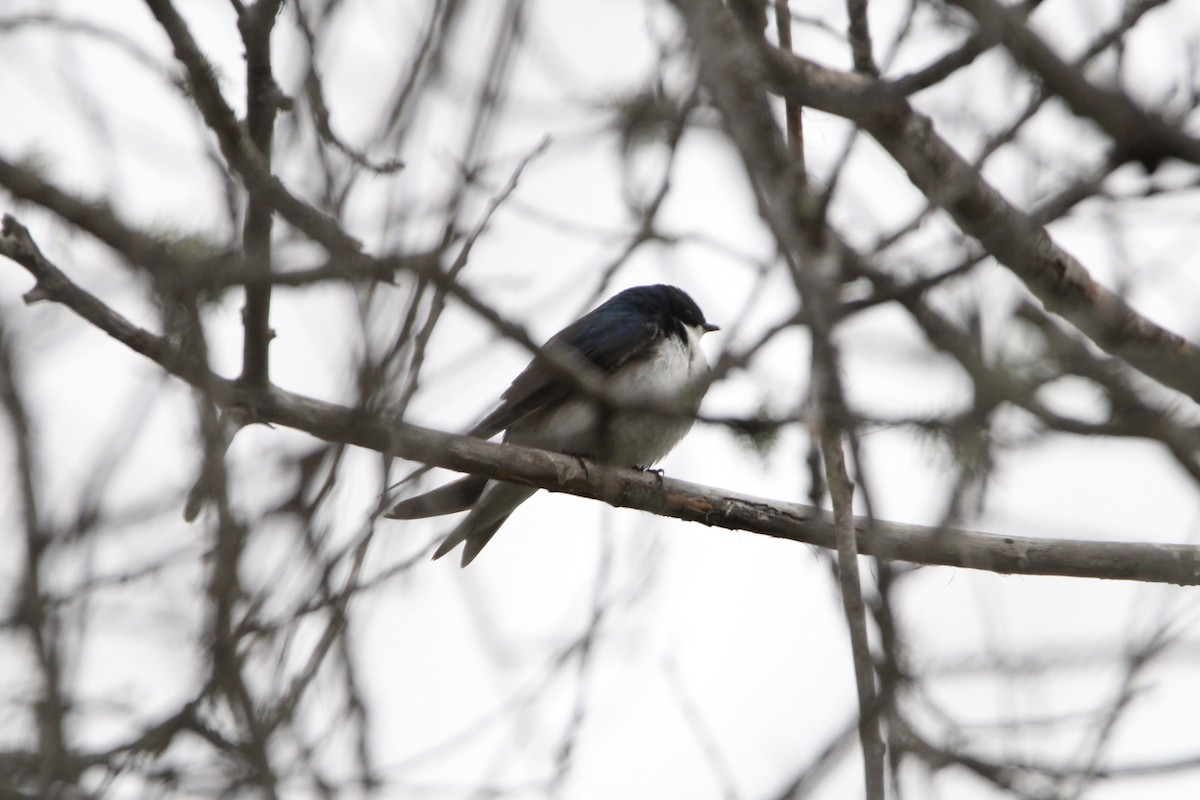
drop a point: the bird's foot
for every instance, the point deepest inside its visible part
(583, 459)
(658, 473)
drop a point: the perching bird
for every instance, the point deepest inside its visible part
(645, 344)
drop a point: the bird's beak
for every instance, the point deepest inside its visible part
(709, 327)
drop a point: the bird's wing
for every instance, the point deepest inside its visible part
(606, 343)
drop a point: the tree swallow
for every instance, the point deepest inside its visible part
(645, 344)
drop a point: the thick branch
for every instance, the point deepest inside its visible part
(625, 488)
(1010, 235)
(1150, 562)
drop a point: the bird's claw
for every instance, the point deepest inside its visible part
(583, 459)
(658, 473)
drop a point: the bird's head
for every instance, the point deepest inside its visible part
(669, 307)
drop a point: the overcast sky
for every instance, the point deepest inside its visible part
(722, 665)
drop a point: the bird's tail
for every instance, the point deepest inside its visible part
(475, 540)
(458, 495)
(486, 517)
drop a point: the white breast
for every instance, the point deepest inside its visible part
(634, 439)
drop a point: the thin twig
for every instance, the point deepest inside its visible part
(793, 119)
(841, 493)
(262, 102)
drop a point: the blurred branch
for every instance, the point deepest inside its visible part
(31, 613)
(17, 245)
(277, 692)
(1012, 236)
(701, 730)
(841, 494)
(41, 21)
(314, 92)
(263, 99)
(811, 250)
(157, 257)
(1142, 657)
(1137, 134)
(1129, 414)
(793, 114)
(974, 46)
(1079, 190)
(232, 273)
(859, 34)
(239, 149)
(1151, 562)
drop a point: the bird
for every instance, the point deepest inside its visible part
(644, 343)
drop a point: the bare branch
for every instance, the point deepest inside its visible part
(841, 492)
(1164, 563)
(1138, 135)
(1057, 278)
(237, 145)
(262, 101)
(860, 38)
